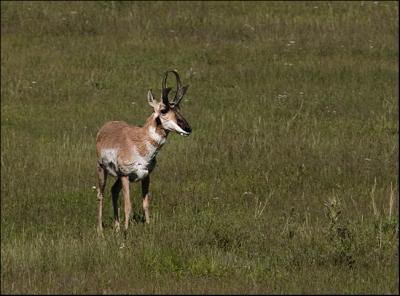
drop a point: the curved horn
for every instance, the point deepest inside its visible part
(165, 90)
(180, 91)
(179, 94)
(178, 80)
(165, 93)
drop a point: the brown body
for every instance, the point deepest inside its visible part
(125, 150)
(128, 152)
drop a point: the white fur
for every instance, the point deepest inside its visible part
(140, 166)
(152, 150)
(156, 136)
(109, 160)
(172, 126)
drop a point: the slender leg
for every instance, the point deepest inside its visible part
(127, 201)
(146, 197)
(102, 178)
(115, 189)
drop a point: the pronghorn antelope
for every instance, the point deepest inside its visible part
(128, 152)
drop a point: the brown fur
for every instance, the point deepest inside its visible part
(123, 136)
(119, 134)
(123, 139)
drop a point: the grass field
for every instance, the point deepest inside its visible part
(288, 183)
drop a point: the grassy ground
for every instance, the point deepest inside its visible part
(288, 183)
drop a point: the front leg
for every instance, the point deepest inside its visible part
(127, 200)
(146, 197)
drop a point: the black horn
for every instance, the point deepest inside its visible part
(180, 91)
(165, 90)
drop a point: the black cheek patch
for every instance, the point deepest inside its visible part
(183, 124)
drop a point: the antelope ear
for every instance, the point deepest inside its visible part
(150, 99)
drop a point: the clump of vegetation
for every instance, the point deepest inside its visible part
(340, 238)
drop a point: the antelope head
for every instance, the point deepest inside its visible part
(166, 112)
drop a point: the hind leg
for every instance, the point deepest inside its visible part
(116, 188)
(102, 178)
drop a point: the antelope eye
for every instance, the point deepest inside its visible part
(163, 111)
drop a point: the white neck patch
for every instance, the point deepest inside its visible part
(156, 136)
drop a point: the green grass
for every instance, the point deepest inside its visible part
(288, 183)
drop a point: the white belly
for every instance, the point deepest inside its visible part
(137, 168)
